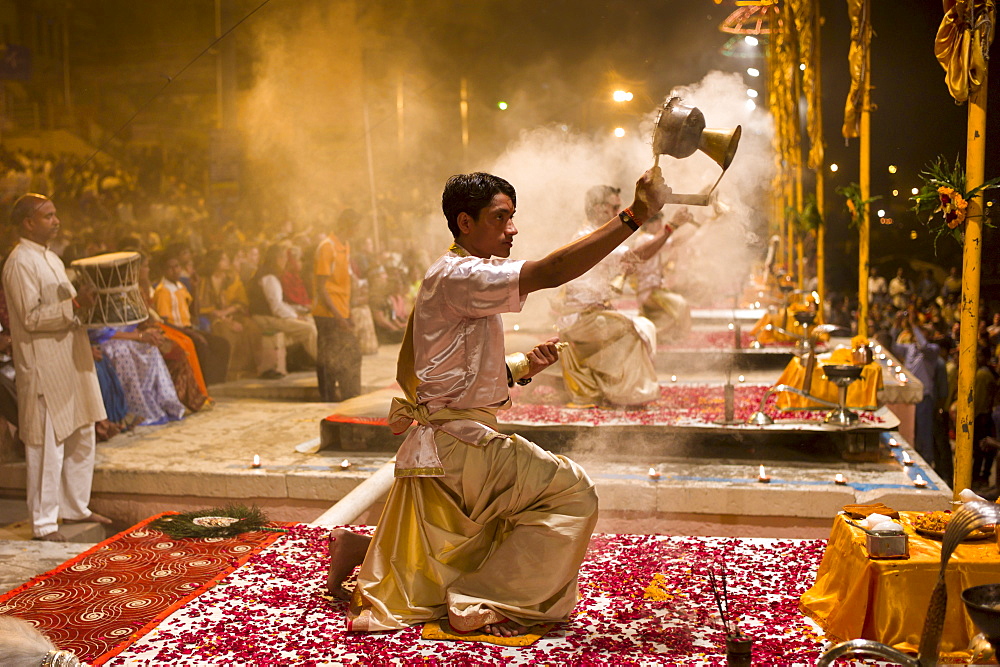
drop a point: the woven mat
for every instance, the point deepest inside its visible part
(442, 631)
(121, 588)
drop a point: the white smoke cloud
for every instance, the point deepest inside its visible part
(552, 167)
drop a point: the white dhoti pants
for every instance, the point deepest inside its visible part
(59, 476)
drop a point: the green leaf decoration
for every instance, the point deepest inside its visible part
(225, 521)
(941, 202)
(807, 220)
(854, 204)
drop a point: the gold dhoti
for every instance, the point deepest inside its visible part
(608, 361)
(669, 312)
(502, 534)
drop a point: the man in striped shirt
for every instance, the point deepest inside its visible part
(59, 398)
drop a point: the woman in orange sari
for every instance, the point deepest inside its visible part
(177, 350)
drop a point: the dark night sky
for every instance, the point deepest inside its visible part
(564, 54)
(657, 45)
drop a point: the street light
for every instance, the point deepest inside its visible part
(892, 169)
(621, 96)
(502, 106)
(751, 40)
(753, 71)
(619, 132)
(834, 167)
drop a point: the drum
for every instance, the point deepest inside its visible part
(115, 276)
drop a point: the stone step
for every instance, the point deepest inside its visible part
(87, 532)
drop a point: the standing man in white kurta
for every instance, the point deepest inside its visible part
(58, 396)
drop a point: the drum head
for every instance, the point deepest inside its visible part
(110, 271)
(107, 259)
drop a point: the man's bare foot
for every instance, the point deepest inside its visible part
(347, 551)
(504, 629)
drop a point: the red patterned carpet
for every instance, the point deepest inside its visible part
(124, 585)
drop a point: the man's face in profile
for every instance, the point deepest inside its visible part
(42, 225)
(492, 233)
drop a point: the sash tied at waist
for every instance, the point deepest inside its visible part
(418, 455)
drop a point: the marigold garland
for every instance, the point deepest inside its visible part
(942, 202)
(855, 204)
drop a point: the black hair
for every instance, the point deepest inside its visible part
(471, 193)
(25, 207)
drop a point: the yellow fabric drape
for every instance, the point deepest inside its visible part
(861, 393)
(859, 12)
(855, 597)
(784, 319)
(961, 42)
(806, 19)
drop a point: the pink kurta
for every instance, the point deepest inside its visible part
(458, 354)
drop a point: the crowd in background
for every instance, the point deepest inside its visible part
(217, 295)
(916, 315)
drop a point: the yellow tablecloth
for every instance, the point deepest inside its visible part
(886, 600)
(862, 392)
(785, 319)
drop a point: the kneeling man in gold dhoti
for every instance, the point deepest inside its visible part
(484, 529)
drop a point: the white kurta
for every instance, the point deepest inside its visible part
(52, 354)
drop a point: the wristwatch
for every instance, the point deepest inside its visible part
(628, 219)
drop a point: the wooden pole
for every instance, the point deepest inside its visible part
(975, 159)
(371, 179)
(800, 234)
(865, 181)
(463, 109)
(820, 204)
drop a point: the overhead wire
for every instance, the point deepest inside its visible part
(171, 79)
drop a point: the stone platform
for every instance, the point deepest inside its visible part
(205, 461)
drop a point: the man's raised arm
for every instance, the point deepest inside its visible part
(576, 258)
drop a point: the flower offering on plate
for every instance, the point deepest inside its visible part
(933, 524)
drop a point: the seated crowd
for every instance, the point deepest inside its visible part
(223, 304)
(918, 318)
